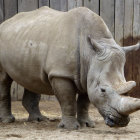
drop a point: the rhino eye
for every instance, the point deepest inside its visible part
(103, 90)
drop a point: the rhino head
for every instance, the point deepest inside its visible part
(106, 83)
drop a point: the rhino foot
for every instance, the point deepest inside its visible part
(69, 123)
(37, 118)
(7, 119)
(86, 122)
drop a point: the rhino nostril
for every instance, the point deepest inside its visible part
(109, 122)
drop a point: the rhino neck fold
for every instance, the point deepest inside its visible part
(83, 61)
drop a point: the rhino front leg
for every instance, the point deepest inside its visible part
(66, 95)
(30, 102)
(82, 111)
(5, 98)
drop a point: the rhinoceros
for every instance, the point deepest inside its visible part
(74, 54)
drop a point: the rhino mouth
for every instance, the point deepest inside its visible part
(113, 121)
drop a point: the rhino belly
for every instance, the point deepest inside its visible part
(25, 66)
(32, 82)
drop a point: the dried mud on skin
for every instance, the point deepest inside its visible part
(21, 129)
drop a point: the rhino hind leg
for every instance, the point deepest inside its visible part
(82, 111)
(30, 102)
(5, 98)
(64, 91)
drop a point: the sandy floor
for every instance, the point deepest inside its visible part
(22, 129)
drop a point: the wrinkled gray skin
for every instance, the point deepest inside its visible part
(70, 52)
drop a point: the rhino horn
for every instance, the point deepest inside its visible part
(132, 48)
(125, 87)
(96, 46)
(128, 105)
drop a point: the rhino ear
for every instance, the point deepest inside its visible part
(132, 48)
(96, 46)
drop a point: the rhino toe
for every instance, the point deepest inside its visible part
(69, 123)
(7, 119)
(37, 118)
(86, 122)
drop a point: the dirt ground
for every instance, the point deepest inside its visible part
(21, 129)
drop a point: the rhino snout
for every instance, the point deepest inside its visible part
(117, 122)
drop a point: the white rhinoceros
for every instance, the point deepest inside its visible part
(72, 53)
